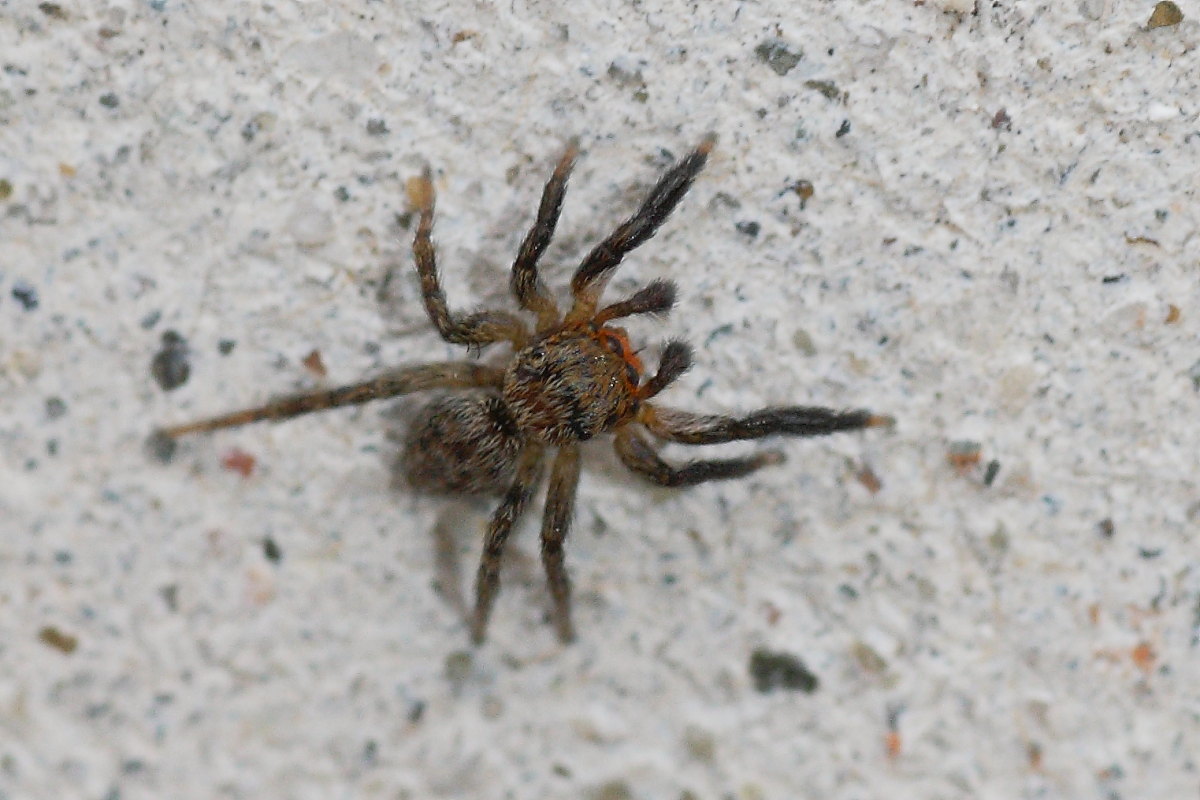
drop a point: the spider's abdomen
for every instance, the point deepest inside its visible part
(570, 386)
(462, 443)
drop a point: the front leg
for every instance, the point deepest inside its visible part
(525, 285)
(688, 428)
(599, 265)
(478, 329)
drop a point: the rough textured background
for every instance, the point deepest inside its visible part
(1000, 248)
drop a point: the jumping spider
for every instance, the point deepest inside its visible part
(571, 378)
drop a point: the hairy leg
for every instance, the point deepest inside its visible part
(593, 274)
(560, 502)
(688, 428)
(676, 359)
(531, 294)
(478, 329)
(487, 581)
(637, 454)
(446, 375)
(657, 297)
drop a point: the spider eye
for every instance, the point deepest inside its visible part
(613, 343)
(536, 357)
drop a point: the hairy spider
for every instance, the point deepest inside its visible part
(572, 377)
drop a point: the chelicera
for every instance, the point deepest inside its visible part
(570, 378)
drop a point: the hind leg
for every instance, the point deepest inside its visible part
(449, 375)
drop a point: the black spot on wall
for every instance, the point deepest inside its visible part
(170, 366)
(772, 670)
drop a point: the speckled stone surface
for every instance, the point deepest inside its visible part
(980, 219)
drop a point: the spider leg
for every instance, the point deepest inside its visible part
(593, 274)
(530, 292)
(688, 428)
(657, 297)
(560, 502)
(487, 581)
(638, 455)
(676, 359)
(479, 328)
(447, 375)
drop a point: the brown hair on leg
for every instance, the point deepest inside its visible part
(487, 580)
(478, 329)
(637, 454)
(531, 294)
(560, 503)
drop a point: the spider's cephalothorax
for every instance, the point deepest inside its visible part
(571, 385)
(572, 377)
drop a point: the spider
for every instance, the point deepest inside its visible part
(571, 378)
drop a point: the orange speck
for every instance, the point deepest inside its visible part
(963, 456)
(1173, 314)
(239, 461)
(893, 744)
(867, 477)
(1035, 755)
(66, 170)
(313, 363)
(1143, 656)
(419, 191)
(1094, 613)
(773, 613)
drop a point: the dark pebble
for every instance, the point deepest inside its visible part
(170, 365)
(772, 670)
(750, 229)
(777, 55)
(55, 407)
(161, 447)
(25, 294)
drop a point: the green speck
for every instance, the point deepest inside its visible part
(611, 790)
(804, 343)
(700, 744)
(1194, 374)
(5, 189)
(868, 658)
(998, 540)
(776, 54)
(828, 88)
(458, 668)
